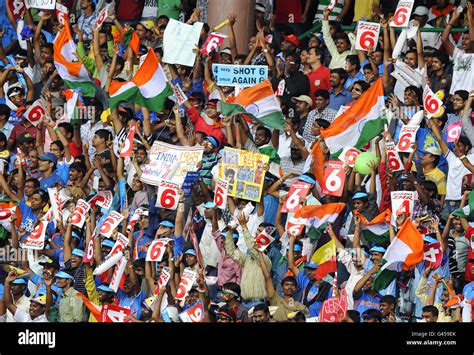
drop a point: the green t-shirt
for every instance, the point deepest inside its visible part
(169, 8)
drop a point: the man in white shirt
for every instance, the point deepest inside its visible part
(19, 299)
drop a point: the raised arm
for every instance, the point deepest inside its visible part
(447, 30)
(291, 257)
(356, 293)
(268, 279)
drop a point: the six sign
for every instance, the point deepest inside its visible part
(61, 13)
(17, 8)
(102, 16)
(79, 215)
(120, 244)
(367, 35)
(431, 103)
(187, 281)
(128, 144)
(195, 314)
(167, 195)
(407, 138)
(454, 131)
(334, 178)
(265, 238)
(402, 14)
(295, 226)
(89, 252)
(163, 280)
(35, 112)
(110, 223)
(213, 41)
(220, 196)
(433, 254)
(156, 250)
(118, 274)
(349, 155)
(394, 162)
(35, 239)
(297, 190)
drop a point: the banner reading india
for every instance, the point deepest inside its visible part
(149, 87)
(376, 230)
(362, 122)
(259, 102)
(70, 68)
(405, 251)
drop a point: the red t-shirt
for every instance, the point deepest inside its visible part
(319, 79)
(201, 126)
(20, 128)
(75, 150)
(129, 10)
(288, 11)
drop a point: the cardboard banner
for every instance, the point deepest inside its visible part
(402, 14)
(41, 4)
(403, 202)
(118, 274)
(349, 155)
(295, 226)
(127, 148)
(120, 244)
(168, 195)
(454, 132)
(241, 75)
(179, 94)
(163, 279)
(281, 88)
(245, 173)
(17, 8)
(170, 162)
(89, 252)
(334, 178)
(195, 314)
(179, 42)
(367, 35)
(431, 103)
(213, 41)
(35, 240)
(79, 215)
(102, 199)
(220, 195)
(187, 280)
(110, 223)
(102, 16)
(433, 254)
(62, 13)
(393, 158)
(265, 238)
(406, 138)
(157, 250)
(111, 313)
(298, 190)
(36, 112)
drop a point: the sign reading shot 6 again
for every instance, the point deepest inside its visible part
(241, 75)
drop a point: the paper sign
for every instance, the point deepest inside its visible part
(165, 276)
(62, 13)
(111, 313)
(264, 239)
(128, 144)
(295, 226)
(281, 88)
(118, 274)
(431, 103)
(17, 8)
(134, 219)
(89, 252)
(245, 173)
(187, 281)
(402, 14)
(35, 113)
(213, 41)
(192, 177)
(170, 162)
(79, 215)
(156, 250)
(102, 199)
(454, 131)
(5, 213)
(220, 195)
(102, 16)
(349, 155)
(168, 195)
(334, 178)
(195, 314)
(120, 244)
(55, 204)
(433, 254)
(242, 75)
(179, 42)
(393, 158)
(179, 94)
(403, 202)
(110, 223)
(367, 35)
(35, 240)
(298, 190)
(407, 138)
(41, 4)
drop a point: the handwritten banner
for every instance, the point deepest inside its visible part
(241, 75)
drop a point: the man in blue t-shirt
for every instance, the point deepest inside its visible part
(365, 297)
(131, 296)
(47, 166)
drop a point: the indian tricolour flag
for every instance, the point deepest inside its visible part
(70, 68)
(321, 216)
(362, 122)
(259, 102)
(467, 211)
(404, 252)
(376, 230)
(149, 87)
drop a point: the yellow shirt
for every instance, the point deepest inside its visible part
(437, 176)
(364, 9)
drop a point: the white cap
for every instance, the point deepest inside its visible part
(421, 11)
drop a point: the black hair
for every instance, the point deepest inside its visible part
(430, 185)
(139, 263)
(416, 90)
(363, 84)
(35, 182)
(48, 45)
(354, 315)
(367, 67)
(465, 141)
(353, 60)
(232, 286)
(103, 133)
(373, 313)
(67, 127)
(442, 56)
(268, 133)
(161, 17)
(206, 27)
(342, 36)
(261, 307)
(5, 111)
(44, 195)
(319, 52)
(143, 148)
(432, 309)
(59, 144)
(463, 94)
(389, 299)
(288, 279)
(79, 167)
(341, 72)
(227, 310)
(294, 55)
(3, 137)
(322, 93)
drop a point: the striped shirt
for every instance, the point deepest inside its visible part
(327, 114)
(323, 4)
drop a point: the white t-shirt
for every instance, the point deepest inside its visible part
(284, 142)
(456, 172)
(24, 317)
(463, 71)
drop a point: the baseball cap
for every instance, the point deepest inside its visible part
(296, 247)
(48, 156)
(190, 252)
(78, 252)
(16, 90)
(311, 265)
(429, 240)
(292, 39)
(378, 249)
(64, 275)
(50, 263)
(259, 7)
(107, 243)
(41, 300)
(148, 24)
(213, 140)
(209, 204)
(432, 150)
(104, 288)
(167, 224)
(25, 137)
(303, 98)
(360, 195)
(308, 179)
(226, 50)
(19, 282)
(148, 302)
(421, 11)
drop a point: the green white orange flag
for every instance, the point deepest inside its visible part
(259, 102)
(149, 87)
(362, 122)
(320, 217)
(376, 230)
(468, 210)
(405, 251)
(70, 68)
(325, 257)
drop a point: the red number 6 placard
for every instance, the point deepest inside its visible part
(431, 102)
(35, 112)
(394, 161)
(110, 223)
(402, 14)
(367, 35)
(187, 281)
(167, 195)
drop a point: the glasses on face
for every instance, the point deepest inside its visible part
(358, 91)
